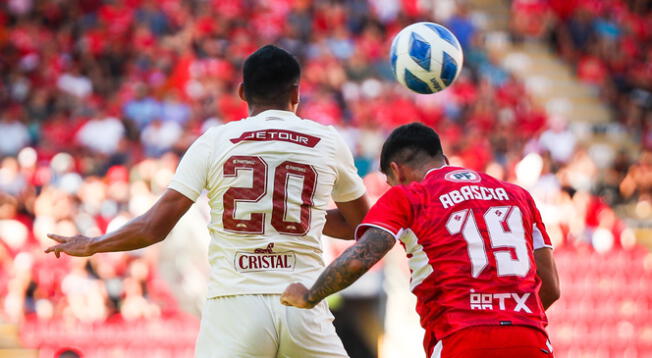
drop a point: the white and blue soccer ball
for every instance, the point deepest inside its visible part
(426, 57)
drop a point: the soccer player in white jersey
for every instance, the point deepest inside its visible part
(269, 179)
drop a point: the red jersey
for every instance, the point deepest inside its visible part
(469, 240)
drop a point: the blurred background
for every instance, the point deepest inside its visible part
(99, 99)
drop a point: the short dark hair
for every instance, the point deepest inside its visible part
(269, 75)
(410, 144)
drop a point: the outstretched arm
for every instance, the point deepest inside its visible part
(145, 230)
(342, 272)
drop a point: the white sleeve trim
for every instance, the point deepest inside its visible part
(184, 189)
(537, 239)
(395, 236)
(359, 192)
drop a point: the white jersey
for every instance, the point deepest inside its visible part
(269, 180)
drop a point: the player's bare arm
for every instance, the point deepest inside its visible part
(145, 230)
(547, 272)
(342, 272)
(341, 222)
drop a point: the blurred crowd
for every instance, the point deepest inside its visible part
(41, 286)
(609, 44)
(99, 99)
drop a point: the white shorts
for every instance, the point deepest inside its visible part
(259, 326)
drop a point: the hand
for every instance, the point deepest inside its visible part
(296, 295)
(78, 245)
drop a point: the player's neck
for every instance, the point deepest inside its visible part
(255, 109)
(433, 165)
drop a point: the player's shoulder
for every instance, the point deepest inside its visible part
(413, 192)
(224, 128)
(236, 126)
(516, 189)
(517, 193)
(331, 139)
(318, 127)
(231, 131)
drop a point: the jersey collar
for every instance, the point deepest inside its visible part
(432, 170)
(277, 113)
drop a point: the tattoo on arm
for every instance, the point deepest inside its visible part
(352, 264)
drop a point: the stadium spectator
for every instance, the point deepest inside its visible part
(75, 84)
(531, 17)
(462, 26)
(173, 109)
(12, 181)
(143, 108)
(636, 186)
(14, 133)
(153, 17)
(101, 134)
(558, 140)
(159, 137)
(84, 294)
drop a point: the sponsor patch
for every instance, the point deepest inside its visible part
(265, 260)
(281, 135)
(463, 176)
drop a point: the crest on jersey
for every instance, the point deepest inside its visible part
(463, 176)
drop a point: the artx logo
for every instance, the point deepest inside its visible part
(511, 301)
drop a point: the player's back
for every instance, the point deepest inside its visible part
(470, 248)
(269, 180)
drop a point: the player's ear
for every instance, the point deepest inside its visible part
(396, 173)
(241, 92)
(294, 97)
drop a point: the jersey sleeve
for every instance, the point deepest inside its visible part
(192, 172)
(348, 184)
(540, 236)
(392, 213)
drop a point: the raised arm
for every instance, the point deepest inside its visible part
(547, 272)
(342, 272)
(142, 231)
(341, 222)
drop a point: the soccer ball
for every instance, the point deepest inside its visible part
(426, 57)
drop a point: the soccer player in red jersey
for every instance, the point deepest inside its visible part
(481, 260)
